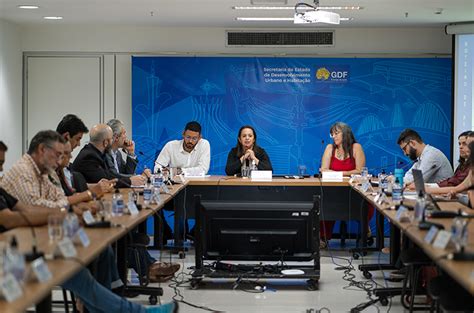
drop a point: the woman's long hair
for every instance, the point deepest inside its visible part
(348, 138)
(465, 162)
(240, 149)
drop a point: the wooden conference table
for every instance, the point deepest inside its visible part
(338, 200)
(62, 269)
(460, 271)
(335, 195)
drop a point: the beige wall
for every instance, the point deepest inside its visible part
(10, 90)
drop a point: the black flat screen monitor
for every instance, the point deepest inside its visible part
(258, 230)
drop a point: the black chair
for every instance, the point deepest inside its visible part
(414, 259)
(449, 295)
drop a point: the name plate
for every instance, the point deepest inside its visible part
(41, 270)
(132, 208)
(431, 234)
(66, 248)
(402, 215)
(442, 239)
(332, 176)
(82, 238)
(87, 217)
(261, 175)
(10, 288)
(165, 188)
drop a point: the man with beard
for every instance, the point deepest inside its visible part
(432, 162)
(33, 180)
(192, 153)
(91, 161)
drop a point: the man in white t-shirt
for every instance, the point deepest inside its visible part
(192, 154)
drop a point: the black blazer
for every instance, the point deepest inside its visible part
(90, 162)
(126, 168)
(233, 161)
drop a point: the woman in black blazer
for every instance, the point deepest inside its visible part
(247, 151)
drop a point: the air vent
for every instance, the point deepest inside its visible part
(269, 39)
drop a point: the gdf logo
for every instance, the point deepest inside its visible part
(339, 74)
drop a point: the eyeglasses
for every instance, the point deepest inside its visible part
(403, 148)
(191, 138)
(58, 154)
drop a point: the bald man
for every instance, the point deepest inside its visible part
(91, 160)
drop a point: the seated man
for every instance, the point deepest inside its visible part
(96, 297)
(33, 180)
(192, 153)
(114, 159)
(91, 161)
(431, 161)
(157, 271)
(72, 128)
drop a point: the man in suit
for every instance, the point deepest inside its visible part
(114, 159)
(91, 161)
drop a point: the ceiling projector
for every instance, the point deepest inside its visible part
(313, 14)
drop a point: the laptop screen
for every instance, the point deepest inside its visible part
(419, 181)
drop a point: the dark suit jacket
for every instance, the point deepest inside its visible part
(233, 161)
(126, 168)
(91, 163)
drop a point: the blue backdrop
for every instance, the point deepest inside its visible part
(292, 103)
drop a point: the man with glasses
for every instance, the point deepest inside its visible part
(192, 153)
(33, 180)
(431, 161)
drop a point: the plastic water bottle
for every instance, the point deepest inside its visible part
(420, 206)
(118, 205)
(157, 179)
(397, 191)
(244, 170)
(148, 192)
(383, 182)
(70, 223)
(14, 261)
(399, 174)
(253, 167)
(459, 232)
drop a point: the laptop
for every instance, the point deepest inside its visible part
(419, 181)
(420, 186)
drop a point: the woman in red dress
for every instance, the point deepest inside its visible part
(344, 155)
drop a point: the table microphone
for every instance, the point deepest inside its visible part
(35, 253)
(319, 175)
(461, 256)
(136, 195)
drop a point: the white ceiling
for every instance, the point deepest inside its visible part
(219, 13)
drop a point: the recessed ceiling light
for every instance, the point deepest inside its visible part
(292, 8)
(53, 17)
(262, 19)
(28, 7)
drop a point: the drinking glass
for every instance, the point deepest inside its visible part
(302, 170)
(106, 210)
(55, 227)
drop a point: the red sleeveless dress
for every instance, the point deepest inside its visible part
(349, 164)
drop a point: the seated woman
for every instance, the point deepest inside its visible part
(460, 181)
(345, 155)
(247, 151)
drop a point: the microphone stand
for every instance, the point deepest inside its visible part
(35, 253)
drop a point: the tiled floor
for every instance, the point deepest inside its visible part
(335, 293)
